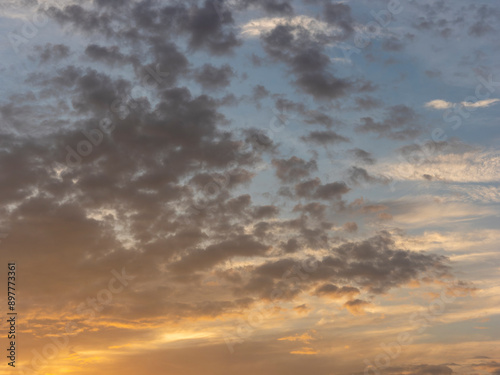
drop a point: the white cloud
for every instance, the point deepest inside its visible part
(443, 104)
(439, 104)
(480, 103)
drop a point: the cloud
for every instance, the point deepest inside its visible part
(257, 27)
(302, 309)
(426, 211)
(306, 59)
(261, 212)
(375, 265)
(52, 53)
(400, 122)
(350, 227)
(333, 291)
(212, 78)
(305, 338)
(477, 193)
(439, 104)
(304, 351)
(314, 189)
(172, 186)
(269, 6)
(363, 156)
(356, 307)
(422, 369)
(293, 169)
(315, 209)
(465, 167)
(324, 137)
(110, 55)
(358, 175)
(243, 245)
(367, 103)
(442, 104)
(480, 103)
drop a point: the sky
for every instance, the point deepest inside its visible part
(251, 186)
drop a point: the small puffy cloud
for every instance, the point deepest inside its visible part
(439, 104)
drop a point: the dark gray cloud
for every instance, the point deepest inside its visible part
(269, 6)
(111, 3)
(213, 78)
(366, 103)
(358, 175)
(293, 169)
(333, 291)
(307, 60)
(315, 190)
(110, 55)
(444, 20)
(315, 209)
(392, 44)
(207, 26)
(323, 85)
(362, 156)
(89, 21)
(375, 265)
(261, 212)
(242, 245)
(259, 92)
(485, 20)
(52, 52)
(316, 117)
(339, 14)
(324, 137)
(290, 246)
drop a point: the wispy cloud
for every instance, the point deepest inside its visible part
(443, 104)
(480, 103)
(481, 166)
